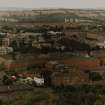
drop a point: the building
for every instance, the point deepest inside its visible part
(55, 35)
(5, 50)
(5, 42)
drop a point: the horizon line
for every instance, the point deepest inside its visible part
(46, 8)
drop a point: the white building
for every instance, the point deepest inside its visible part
(101, 45)
(5, 50)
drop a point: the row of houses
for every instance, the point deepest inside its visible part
(61, 71)
(77, 20)
(35, 40)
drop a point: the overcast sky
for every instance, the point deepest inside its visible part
(52, 3)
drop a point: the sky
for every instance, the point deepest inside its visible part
(52, 4)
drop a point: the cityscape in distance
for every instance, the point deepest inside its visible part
(52, 56)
